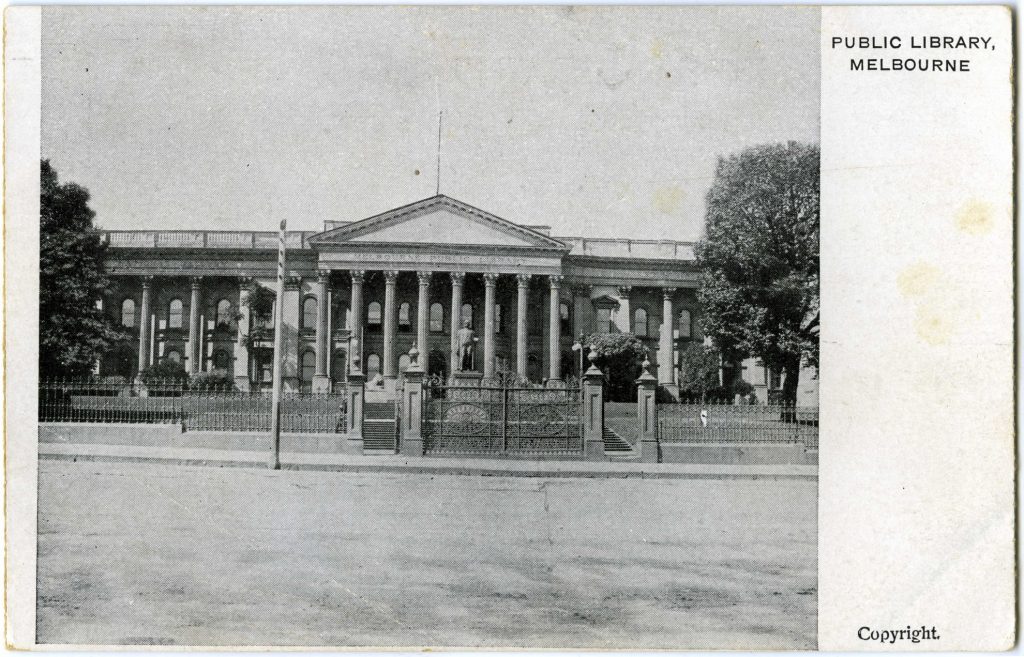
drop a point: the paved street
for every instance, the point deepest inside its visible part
(159, 554)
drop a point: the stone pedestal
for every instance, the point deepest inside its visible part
(354, 414)
(593, 412)
(321, 383)
(467, 378)
(412, 407)
(647, 415)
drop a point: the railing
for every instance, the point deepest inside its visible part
(112, 401)
(502, 420)
(203, 239)
(620, 248)
(727, 423)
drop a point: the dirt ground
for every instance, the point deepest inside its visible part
(158, 554)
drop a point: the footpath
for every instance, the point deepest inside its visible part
(387, 463)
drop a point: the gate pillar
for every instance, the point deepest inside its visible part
(412, 406)
(354, 397)
(647, 414)
(593, 411)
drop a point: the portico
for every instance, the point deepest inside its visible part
(412, 275)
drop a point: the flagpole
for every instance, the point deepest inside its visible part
(275, 404)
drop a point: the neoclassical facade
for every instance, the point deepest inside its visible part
(415, 274)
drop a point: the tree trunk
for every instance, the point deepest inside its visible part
(789, 386)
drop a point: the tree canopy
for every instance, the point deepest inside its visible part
(619, 356)
(73, 330)
(759, 258)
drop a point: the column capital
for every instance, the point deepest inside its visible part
(147, 281)
(390, 276)
(196, 282)
(458, 277)
(490, 278)
(245, 283)
(357, 275)
(524, 279)
(424, 277)
(667, 292)
(323, 276)
(624, 290)
(555, 281)
(292, 282)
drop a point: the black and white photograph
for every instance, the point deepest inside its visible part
(479, 327)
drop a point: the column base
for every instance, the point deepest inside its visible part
(242, 383)
(290, 384)
(321, 383)
(467, 378)
(555, 383)
(671, 388)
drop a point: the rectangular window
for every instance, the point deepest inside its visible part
(604, 320)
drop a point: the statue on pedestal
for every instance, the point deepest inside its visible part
(466, 338)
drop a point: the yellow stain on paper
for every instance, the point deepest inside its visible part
(667, 199)
(933, 325)
(657, 47)
(975, 218)
(917, 279)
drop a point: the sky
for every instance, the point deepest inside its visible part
(596, 121)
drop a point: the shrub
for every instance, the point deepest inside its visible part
(619, 356)
(214, 380)
(164, 372)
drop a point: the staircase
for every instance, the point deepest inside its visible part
(615, 445)
(380, 428)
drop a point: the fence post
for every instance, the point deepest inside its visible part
(593, 411)
(647, 414)
(354, 400)
(412, 406)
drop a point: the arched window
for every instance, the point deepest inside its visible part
(404, 323)
(173, 356)
(564, 320)
(436, 318)
(174, 314)
(308, 365)
(403, 363)
(372, 365)
(224, 313)
(373, 315)
(640, 323)
(467, 315)
(499, 324)
(309, 312)
(128, 313)
(604, 320)
(220, 360)
(685, 325)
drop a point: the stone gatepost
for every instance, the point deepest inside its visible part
(354, 399)
(412, 406)
(647, 414)
(593, 411)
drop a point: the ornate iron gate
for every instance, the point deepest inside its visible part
(502, 420)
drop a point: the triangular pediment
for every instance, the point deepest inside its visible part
(437, 220)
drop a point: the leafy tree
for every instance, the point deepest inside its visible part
(260, 303)
(73, 331)
(166, 371)
(619, 356)
(700, 368)
(759, 258)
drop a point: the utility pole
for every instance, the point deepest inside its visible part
(275, 404)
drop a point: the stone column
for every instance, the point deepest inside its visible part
(194, 329)
(647, 414)
(458, 278)
(241, 349)
(489, 281)
(666, 358)
(144, 311)
(356, 329)
(290, 323)
(522, 302)
(623, 318)
(593, 411)
(390, 279)
(555, 330)
(321, 381)
(412, 406)
(422, 316)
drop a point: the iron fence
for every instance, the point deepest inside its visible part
(209, 409)
(728, 423)
(502, 420)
